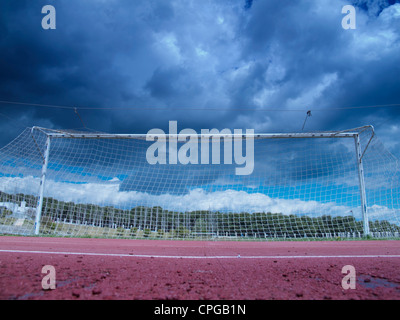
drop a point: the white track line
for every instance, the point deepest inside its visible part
(197, 257)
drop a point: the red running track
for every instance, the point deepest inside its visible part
(193, 270)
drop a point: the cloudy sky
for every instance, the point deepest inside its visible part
(130, 66)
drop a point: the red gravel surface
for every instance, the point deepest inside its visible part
(191, 270)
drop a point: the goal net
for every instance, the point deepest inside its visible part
(318, 185)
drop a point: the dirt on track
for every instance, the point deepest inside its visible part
(192, 270)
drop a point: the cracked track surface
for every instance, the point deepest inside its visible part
(193, 270)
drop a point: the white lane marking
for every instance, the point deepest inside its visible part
(196, 257)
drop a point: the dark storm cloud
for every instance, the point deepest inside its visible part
(169, 85)
(314, 63)
(373, 7)
(57, 67)
(233, 55)
(248, 4)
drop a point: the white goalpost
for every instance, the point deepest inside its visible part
(306, 185)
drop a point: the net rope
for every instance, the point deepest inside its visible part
(300, 188)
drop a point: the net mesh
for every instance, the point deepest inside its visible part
(105, 187)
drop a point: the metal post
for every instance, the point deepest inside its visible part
(363, 196)
(41, 190)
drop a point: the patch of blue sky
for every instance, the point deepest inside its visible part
(9, 175)
(20, 162)
(79, 172)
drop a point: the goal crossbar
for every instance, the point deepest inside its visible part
(326, 134)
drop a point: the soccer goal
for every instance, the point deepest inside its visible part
(314, 185)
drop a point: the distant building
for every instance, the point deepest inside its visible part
(18, 212)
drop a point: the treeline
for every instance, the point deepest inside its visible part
(199, 222)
